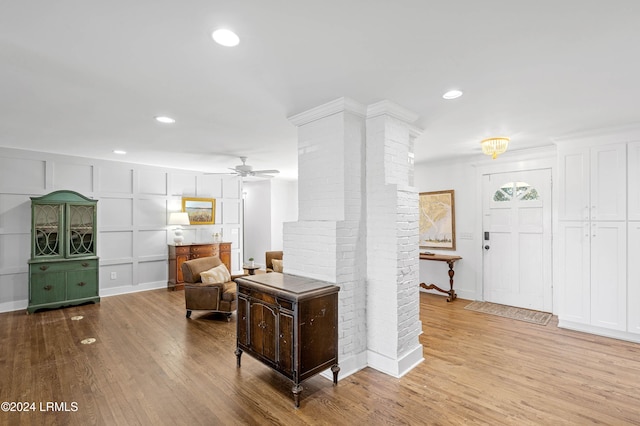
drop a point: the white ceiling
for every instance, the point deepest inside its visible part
(86, 77)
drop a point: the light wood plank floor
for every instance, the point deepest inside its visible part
(152, 366)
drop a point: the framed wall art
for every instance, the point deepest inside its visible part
(201, 211)
(438, 220)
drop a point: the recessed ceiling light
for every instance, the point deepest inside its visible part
(119, 152)
(225, 37)
(166, 120)
(452, 94)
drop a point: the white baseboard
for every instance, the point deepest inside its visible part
(605, 332)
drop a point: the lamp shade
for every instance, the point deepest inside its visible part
(180, 218)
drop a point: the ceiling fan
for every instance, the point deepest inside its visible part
(245, 170)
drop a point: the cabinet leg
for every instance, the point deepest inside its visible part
(188, 313)
(238, 353)
(335, 368)
(296, 389)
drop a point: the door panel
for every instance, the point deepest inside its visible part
(517, 255)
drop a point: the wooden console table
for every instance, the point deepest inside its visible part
(290, 324)
(450, 261)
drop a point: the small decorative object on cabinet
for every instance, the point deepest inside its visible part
(178, 254)
(290, 324)
(63, 269)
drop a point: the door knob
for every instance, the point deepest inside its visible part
(486, 247)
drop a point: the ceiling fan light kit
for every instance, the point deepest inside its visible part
(245, 170)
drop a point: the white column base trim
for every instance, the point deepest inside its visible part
(396, 367)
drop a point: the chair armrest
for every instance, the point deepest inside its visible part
(233, 277)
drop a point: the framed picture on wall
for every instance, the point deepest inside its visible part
(201, 211)
(438, 220)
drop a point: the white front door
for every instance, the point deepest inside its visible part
(517, 239)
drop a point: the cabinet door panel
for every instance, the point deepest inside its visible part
(574, 185)
(608, 182)
(633, 302)
(285, 344)
(608, 275)
(243, 319)
(263, 330)
(47, 288)
(633, 163)
(573, 279)
(82, 284)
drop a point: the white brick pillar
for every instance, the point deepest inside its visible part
(328, 241)
(393, 315)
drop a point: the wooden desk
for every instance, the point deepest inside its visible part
(450, 261)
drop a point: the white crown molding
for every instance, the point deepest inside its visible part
(391, 109)
(604, 135)
(330, 108)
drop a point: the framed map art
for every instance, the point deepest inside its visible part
(437, 220)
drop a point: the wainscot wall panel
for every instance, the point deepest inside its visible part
(231, 211)
(114, 245)
(74, 177)
(122, 279)
(14, 292)
(115, 180)
(183, 184)
(13, 249)
(231, 187)
(152, 182)
(31, 175)
(152, 243)
(151, 212)
(115, 212)
(156, 271)
(209, 186)
(16, 213)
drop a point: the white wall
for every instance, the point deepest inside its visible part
(464, 177)
(267, 205)
(461, 177)
(134, 202)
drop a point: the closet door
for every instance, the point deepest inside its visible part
(608, 182)
(574, 271)
(633, 164)
(609, 275)
(633, 302)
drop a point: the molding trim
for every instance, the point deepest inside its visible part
(348, 366)
(591, 329)
(394, 110)
(604, 135)
(396, 367)
(330, 108)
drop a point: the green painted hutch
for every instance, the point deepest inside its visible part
(63, 269)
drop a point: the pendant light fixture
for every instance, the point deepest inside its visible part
(494, 146)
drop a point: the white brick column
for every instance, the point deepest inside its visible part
(328, 241)
(393, 309)
(358, 228)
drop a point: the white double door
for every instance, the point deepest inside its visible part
(517, 253)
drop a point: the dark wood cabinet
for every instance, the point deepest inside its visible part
(290, 324)
(180, 254)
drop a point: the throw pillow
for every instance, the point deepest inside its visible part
(218, 275)
(277, 265)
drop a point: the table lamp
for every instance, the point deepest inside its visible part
(179, 218)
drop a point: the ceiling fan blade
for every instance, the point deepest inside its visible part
(266, 171)
(260, 175)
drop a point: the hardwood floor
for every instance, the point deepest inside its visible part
(152, 366)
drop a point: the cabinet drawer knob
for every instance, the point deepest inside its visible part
(47, 287)
(82, 284)
(85, 264)
(44, 268)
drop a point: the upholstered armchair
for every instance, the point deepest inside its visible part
(269, 256)
(216, 297)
